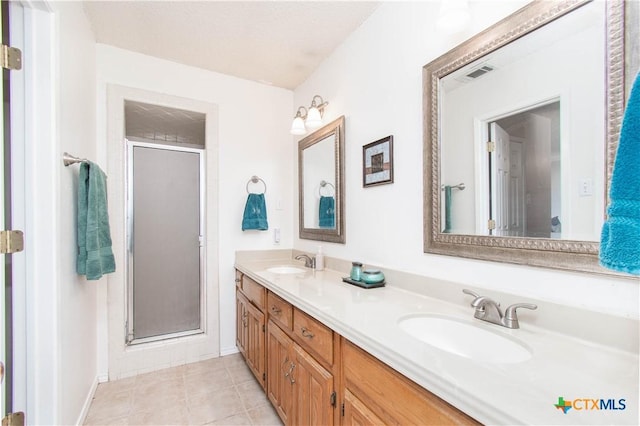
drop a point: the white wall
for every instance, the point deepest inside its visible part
(253, 139)
(75, 132)
(375, 79)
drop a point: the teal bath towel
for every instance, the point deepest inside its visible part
(255, 213)
(327, 212)
(95, 256)
(620, 239)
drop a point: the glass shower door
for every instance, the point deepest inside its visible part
(165, 253)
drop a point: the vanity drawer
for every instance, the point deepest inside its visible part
(280, 311)
(254, 291)
(314, 335)
(392, 397)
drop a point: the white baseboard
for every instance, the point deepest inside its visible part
(229, 351)
(87, 403)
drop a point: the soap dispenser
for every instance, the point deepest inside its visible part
(319, 259)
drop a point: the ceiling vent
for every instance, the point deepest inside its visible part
(478, 72)
(475, 73)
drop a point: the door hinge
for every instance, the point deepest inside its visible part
(491, 224)
(11, 58)
(342, 409)
(333, 399)
(491, 146)
(264, 376)
(264, 328)
(11, 242)
(13, 419)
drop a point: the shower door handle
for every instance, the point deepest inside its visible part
(200, 240)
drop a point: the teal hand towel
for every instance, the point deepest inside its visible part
(447, 210)
(95, 256)
(327, 212)
(620, 239)
(255, 213)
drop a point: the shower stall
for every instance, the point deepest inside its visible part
(165, 222)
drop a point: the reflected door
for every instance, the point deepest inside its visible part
(499, 161)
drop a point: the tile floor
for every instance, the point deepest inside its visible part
(220, 391)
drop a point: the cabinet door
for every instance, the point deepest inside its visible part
(312, 389)
(279, 368)
(358, 414)
(241, 324)
(255, 347)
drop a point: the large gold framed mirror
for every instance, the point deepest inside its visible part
(321, 184)
(520, 132)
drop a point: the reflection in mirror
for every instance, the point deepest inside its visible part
(319, 171)
(518, 130)
(321, 185)
(526, 114)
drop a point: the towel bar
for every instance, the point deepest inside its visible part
(256, 179)
(460, 186)
(69, 159)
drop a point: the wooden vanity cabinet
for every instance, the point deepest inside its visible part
(299, 386)
(306, 368)
(251, 325)
(374, 393)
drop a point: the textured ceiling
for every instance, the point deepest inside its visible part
(273, 42)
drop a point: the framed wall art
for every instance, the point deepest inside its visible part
(377, 162)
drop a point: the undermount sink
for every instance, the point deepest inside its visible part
(464, 339)
(285, 270)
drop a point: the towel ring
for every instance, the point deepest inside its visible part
(256, 179)
(323, 184)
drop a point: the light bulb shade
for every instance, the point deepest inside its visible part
(297, 127)
(314, 120)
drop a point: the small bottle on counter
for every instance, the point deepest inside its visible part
(356, 271)
(319, 259)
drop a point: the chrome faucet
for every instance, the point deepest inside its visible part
(309, 262)
(489, 310)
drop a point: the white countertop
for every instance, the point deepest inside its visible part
(521, 393)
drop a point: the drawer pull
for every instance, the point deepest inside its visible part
(238, 280)
(276, 310)
(306, 333)
(288, 374)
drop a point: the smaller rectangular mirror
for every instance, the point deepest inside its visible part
(321, 184)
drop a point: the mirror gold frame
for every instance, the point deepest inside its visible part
(334, 129)
(550, 253)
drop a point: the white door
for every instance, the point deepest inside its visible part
(500, 159)
(517, 210)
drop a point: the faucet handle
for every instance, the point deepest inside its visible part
(470, 293)
(511, 317)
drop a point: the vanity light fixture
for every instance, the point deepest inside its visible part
(308, 119)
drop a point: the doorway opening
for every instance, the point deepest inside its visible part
(165, 222)
(525, 187)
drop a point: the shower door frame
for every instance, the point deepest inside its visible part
(129, 336)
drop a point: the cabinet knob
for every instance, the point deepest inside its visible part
(276, 310)
(238, 280)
